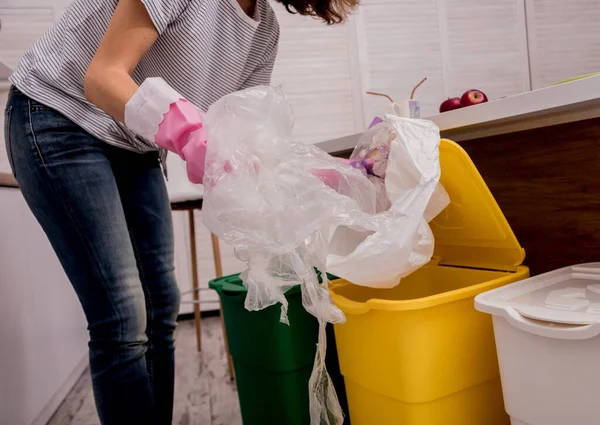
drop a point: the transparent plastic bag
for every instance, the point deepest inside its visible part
(266, 196)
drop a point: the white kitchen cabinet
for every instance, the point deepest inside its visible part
(43, 334)
(564, 39)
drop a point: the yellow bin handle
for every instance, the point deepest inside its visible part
(349, 306)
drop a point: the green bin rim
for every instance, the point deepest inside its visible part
(233, 285)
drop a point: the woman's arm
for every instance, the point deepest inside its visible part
(130, 34)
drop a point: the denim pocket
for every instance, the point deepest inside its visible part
(7, 139)
(55, 140)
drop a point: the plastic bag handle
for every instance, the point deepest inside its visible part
(549, 329)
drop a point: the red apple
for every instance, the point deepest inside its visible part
(450, 105)
(473, 97)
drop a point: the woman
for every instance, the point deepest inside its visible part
(85, 125)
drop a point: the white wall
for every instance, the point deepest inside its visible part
(43, 336)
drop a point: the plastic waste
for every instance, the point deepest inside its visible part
(401, 158)
(265, 195)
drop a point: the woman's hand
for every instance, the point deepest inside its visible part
(130, 34)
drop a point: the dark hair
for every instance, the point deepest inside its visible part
(331, 11)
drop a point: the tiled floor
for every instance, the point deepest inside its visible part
(204, 395)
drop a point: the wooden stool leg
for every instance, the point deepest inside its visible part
(195, 284)
(216, 255)
(219, 273)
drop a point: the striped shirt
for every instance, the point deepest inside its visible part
(206, 49)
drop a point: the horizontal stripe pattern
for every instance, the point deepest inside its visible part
(206, 49)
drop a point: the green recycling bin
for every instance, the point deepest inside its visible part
(273, 361)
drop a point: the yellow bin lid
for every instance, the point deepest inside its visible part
(471, 231)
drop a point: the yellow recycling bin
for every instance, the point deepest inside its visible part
(419, 353)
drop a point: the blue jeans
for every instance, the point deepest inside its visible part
(107, 215)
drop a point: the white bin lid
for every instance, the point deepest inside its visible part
(569, 296)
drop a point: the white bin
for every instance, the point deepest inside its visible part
(547, 332)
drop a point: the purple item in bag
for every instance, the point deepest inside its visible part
(376, 121)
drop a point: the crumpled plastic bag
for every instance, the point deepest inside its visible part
(401, 157)
(265, 195)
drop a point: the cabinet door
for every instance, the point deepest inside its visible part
(20, 28)
(314, 68)
(400, 44)
(42, 327)
(484, 46)
(564, 39)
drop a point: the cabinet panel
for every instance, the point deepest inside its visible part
(564, 39)
(484, 47)
(42, 326)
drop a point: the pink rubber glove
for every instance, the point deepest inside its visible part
(195, 156)
(182, 132)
